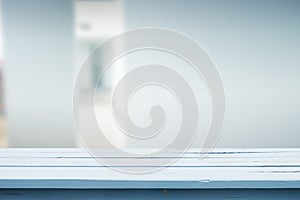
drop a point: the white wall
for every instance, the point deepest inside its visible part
(39, 72)
(256, 47)
(1, 34)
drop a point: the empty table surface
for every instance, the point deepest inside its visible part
(220, 169)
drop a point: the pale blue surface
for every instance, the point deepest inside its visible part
(151, 194)
(224, 174)
(128, 184)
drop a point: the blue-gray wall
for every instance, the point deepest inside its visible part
(39, 72)
(256, 47)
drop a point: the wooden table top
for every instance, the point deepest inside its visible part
(222, 168)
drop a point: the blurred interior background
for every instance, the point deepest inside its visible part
(255, 45)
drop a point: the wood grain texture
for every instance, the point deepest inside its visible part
(221, 169)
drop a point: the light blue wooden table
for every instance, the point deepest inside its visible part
(223, 174)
